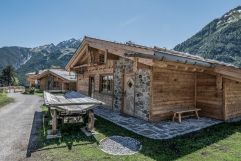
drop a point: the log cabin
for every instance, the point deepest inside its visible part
(32, 79)
(57, 80)
(151, 82)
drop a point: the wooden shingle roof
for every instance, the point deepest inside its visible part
(61, 73)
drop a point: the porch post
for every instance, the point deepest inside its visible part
(195, 90)
(62, 87)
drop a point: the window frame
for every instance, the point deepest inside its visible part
(107, 86)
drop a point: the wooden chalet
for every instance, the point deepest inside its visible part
(151, 83)
(57, 80)
(32, 79)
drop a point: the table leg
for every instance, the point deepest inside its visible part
(54, 122)
(197, 114)
(174, 116)
(91, 120)
(179, 117)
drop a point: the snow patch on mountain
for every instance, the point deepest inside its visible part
(230, 17)
(26, 59)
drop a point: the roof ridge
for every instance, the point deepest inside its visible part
(127, 43)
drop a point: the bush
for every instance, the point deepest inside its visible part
(32, 91)
(38, 91)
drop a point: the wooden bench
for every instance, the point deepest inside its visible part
(178, 113)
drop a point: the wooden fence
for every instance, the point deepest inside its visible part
(12, 89)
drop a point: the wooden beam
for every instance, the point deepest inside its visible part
(228, 71)
(151, 94)
(73, 103)
(78, 56)
(88, 53)
(194, 69)
(232, 78)
(160, 64)
(187, 66)
(224, 100)
(219, 83)
(195, 90)
(105, 54)
(179, 66)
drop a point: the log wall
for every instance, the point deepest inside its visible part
(209, 97)
(232, 99)
(96, 71)
(83, 84)
(171, 90)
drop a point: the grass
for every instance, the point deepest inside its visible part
(34, 91)
(4, 99)
(220, 142)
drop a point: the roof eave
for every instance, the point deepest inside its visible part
(77, 51)
(161, 56)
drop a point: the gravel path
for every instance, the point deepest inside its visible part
(15, 126)
(119, 145)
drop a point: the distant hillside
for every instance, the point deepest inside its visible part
(27, 60)
(219, 40)
(14, 55)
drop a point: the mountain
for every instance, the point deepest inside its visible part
(219, 40)
(16, 56)
(26, 60)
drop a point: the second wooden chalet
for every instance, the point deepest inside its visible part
(32, 79)
(57, 80)
(149, 83)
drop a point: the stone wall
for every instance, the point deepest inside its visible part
(142, 93)
(120, 65)
(142, 88)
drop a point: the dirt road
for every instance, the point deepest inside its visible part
(16, 120)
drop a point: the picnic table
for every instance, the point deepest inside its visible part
(178, 113)
(71, 104)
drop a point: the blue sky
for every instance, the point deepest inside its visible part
(163, 23)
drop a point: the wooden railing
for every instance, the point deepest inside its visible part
(12, 89)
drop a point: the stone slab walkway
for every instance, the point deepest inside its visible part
(160, 130)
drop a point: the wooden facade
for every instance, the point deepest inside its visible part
(32, 79)
(232, 102)
(89, 78)
(149, 83)
(51, 80)
(171, 90)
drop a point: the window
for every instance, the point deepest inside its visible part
(98, 59)
(101, 59)
(106, 84)
(56, 85)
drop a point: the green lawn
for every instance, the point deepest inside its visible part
(4, 99)
(220, 142)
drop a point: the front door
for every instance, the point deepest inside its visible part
(91, 86)
(129, 94)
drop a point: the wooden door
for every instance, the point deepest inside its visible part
(91, 86)
(129, 94)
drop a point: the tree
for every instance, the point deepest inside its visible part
(15, 82)
(8, 75)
